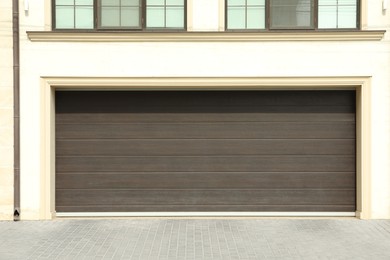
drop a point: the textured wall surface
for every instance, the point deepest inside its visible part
(6, 111)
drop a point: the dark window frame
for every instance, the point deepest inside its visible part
(314, 16)
(96, 21)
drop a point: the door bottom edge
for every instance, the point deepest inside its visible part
(205, 214)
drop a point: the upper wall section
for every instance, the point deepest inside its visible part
(205, 21)
(202, 15)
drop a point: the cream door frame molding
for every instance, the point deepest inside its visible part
(363, 121)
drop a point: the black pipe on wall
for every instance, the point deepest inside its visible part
(16, 86)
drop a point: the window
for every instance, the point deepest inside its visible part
(72, 14)
(291, 14)
(286, 14)
(119, 14)
(165, 14)
(246, 14)
(337, 13)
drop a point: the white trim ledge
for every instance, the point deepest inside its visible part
(205, 214)
(68, 36)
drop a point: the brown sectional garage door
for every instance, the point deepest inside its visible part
(165, 151)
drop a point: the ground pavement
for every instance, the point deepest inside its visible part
(207, 238)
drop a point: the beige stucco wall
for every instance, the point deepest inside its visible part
(203, 59)
(6, 111)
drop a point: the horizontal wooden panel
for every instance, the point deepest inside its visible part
(159, 101)
(76, 118)
(205, 147)
(215, 108)
(204, 197)
(262, 130)
(207, 208)
(318, 163)
(206, 180)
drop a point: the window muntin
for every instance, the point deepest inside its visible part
(119, 14)
(292, 14)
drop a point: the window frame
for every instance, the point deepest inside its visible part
(97, 27)
(268, 27)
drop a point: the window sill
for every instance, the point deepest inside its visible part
(50, 36)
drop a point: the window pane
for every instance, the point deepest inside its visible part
(65, 17)
(256, 18)
(327, 2)
(65, 2)
(291, 13)
(155, 2)
(327, 17)
(110, 16)
(110, 2)
(130, 17)
(175, 2)
(303, 11)
(236, 18)
(84, 2)
(347, 2)
(347, 17)
(155, 17)
(256, 2)
(175, 17)
(130, 3)
(84, 17)
(236, 2)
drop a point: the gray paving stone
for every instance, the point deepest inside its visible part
(195, 239)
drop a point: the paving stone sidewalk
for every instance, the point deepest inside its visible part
(195, 239)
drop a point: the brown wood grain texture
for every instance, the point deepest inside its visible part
(304, 163)
(205, 197)
(188, 147)
(161, 117)
(262, 130)
(205, 180)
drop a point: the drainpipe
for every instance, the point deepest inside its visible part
(16, 77)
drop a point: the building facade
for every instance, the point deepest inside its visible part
(199, 107)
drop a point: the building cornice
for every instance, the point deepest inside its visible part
(77, 36)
